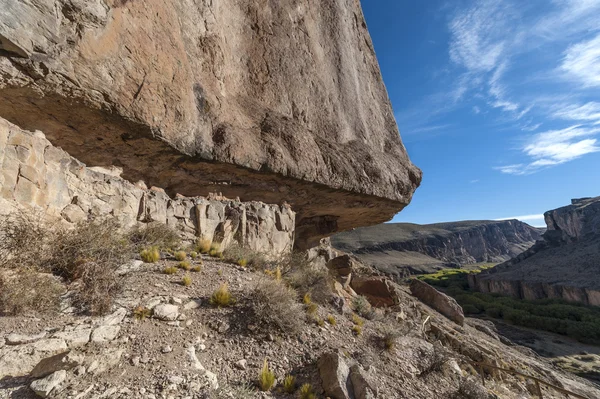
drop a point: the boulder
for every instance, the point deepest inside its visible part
(44, 386)
(166, 312)
(105, 333)
(19, 360)
(342, 265)
(334, 374)
(437, 300)
(261, 101)
(49, 365)
(380, 291)
(363, 386)
(74, 338)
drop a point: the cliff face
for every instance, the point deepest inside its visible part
(35, 174)
(565, 265)
(270, 101)
(400, 248)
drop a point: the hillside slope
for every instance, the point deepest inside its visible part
(566, 264)
(404, 248)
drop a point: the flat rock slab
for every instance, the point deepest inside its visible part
(20, 339)
(75, 338)
(105, 333)
(45, 386)
(166, 312)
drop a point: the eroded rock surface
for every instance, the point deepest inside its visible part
(35, 174)
(563, 265)
(263, 100)
(438, 300)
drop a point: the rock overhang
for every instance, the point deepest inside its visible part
(263, 102)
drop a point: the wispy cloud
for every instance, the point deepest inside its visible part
(524, 217)
(555, 147)
(581, 63)
(589, 112)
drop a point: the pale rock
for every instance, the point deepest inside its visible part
(61, 361)
(44, 386)
(166, 312)
(106, 361)
(105, 333)
(114, 318)
(241, 364)
(20, 339)
(193, 304)
(191, 353)
(362, 385)
(334, 374)
(75, 338)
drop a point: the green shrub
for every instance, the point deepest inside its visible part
(150, 255)
(289, 384)
(266, 378)
(222, 296)
(180, 256)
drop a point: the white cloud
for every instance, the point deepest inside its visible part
(581, 62)
(531, 127)
(589, 112)
(555, 147)
(474, 181)
(524, 217)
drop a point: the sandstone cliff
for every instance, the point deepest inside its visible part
(35, 174)
(270, 101)
(403, 248)
(565, 265)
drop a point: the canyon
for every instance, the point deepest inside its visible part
(401, 249)
(563, 265)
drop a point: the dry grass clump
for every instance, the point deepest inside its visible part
(389, 338)
(180, 256)
(193, 255)
(362, 306)
(275, 304)
(153, 234)
(331, 320)
(357, 320)
(222, 296)
(141, 313)
(289, 384)
(203, 245)
(215, 250)
(29, 291)
(24, 240)
(150, 255)
(186, 281)
(244, 257)
(266, 378)
(170, 270)
(306, 277)
(357, 330)
(196, 268)
(306, 392)
(185, 265)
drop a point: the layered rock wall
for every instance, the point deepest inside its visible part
(35, 174)
(263, 100)
(564, 265)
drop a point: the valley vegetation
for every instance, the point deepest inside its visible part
(554, 315)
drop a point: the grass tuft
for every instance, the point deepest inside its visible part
(203, 246)
(357, 320)
(185, 265)
(266, 378)
(186, 281)
(170, 270)
(331, 320)
(289, 384)
(141, 313)
(150, 255)
(307, 299)
(193, 254)
(196, 268)
(356, 330)
(222, 296)
(180, 256)
(306, 392)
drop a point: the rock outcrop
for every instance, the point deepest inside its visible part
(260, 100)
(401, 249)
(565, 265)
(35, 174)
(438, 300)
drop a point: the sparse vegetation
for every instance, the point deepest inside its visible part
(362, 306)
(24, 240)
(203, 245)
(306, 299)
(266, 378)
(275, 304)
(185, 265)
(289, 384)
(215, 251)
(357, 320)
(331, 320)
(141, 313)
(312, 308)
(154, 235)
(193, 255)
(389, 338)
(150, 255)
(28, 291)
(170, 270)
(180, 256)
(242, 262)
(356, 329)
(186, 281)
(196, 268)
(306, 277)
(306, 392)
(319, 321)
(222, 296)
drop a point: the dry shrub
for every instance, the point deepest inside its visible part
(91, 252)
(170, 270)
(186, 281)
(244, 257)
(154, 234)
(24, 240)
(222, 296)
(202, 245)
(150, 255)
(435, 362)
(29, 291)
(99, 285)
(180, 256)
(275, 304)
(307, 277)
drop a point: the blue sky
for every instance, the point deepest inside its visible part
(497, 101)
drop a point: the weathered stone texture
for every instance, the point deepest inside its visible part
(34, 173)
(268, 101)
(437, 300)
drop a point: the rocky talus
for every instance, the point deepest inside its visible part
(266, 101)
(401, 248)
(565, 265)
(187, 348)
(37, 175)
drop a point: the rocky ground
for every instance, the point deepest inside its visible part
(188, 348)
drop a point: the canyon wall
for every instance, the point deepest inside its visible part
(424, 248)
(564, 265)
(36, 175)
(262, 100)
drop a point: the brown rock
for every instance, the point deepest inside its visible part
(252, 99)
(334, 376)
(342, 265)
(437, 300)
(378, 290)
